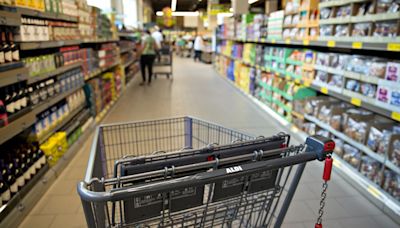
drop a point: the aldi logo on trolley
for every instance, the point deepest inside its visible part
(234, 169)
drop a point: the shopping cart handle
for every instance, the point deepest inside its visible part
(320, 145)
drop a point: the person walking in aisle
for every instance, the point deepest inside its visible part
(198, 47)
(158, 37)
(147, 57)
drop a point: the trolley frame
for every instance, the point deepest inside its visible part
(99, 193)
(163, 64)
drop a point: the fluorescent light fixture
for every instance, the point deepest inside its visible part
(181, 13)
(252, 1)
(173, 5)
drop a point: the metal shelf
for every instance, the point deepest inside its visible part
(46, 15)
(10, 17)
(97, 41)
(127, 64)
(17, 126)
(126, 50)
(356, 99)
(53, 73)
(97, 72)
(126, 34)
(13, 76)
(48, 44)
(338, 3)
(361, 43)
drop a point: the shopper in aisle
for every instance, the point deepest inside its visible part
(198, 47)
(147, 56)
(158, 37)
(180, 46)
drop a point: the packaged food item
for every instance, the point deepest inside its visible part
(385, 29)
(344, 11)
(322, 76)
(383, 94)
(356, 129)
(375, 136)
(358, 64)
(370, 168)
(391, 183)
(325, 13)
(336, 80)
(338, 147)
(361, 29)
(395, 156)
(385, 6)
(326, 30)
(353, 85)
(352, 155)
(377, 67)
(383, 145)
(368, 89)
(365, 8)
(341, 30)
(395, 98)
(392, 71)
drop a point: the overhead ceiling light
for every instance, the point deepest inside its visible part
(173, 5)
(181, 13)
(252, 1)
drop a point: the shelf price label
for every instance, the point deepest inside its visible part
(307, 83)
(287, 41)
(395, 116)
(355, 101)
(306, 42)
(324, 90)
(393, 47)
(273, 41)
(357, 45)
(288, 77)
(331, 43)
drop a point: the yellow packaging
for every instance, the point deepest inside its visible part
(31, 4)
(49, 148)
(21, 3)
(61, 139)
(40, 5)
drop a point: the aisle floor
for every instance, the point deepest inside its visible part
(198, 91)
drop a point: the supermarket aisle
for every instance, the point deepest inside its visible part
(197, 91)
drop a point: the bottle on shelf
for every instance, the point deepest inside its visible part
(14, 48)
(6, 48)
(2, 57)
(11, 180)
(18, 173)
(8, 100)
(5, 194)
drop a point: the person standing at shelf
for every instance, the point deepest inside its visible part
(198, 47)
(180, 45)
(147, 56)
(158, 37)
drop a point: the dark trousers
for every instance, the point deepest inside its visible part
(197, 55)
(147, 60)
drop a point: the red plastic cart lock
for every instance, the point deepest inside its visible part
(318, 225)
(327, 169)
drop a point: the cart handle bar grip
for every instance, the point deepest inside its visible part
(207, 177)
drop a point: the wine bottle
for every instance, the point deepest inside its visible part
(18, 173)
(2, 57)
(5, 194)
(14, 48)
(11, 180)
(6, 48)
(9, 103)
(17, 99)
(30, 167)
(33, 96)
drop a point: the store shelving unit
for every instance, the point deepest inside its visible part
(367, 187)
(334, 43)
(14, 75)
(15, 210)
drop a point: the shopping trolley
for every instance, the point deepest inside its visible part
(185, 172)
(163, 62)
